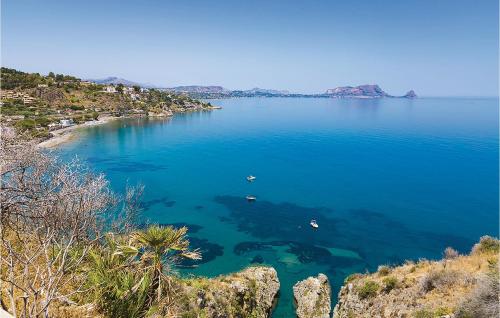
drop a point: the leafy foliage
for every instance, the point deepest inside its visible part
(368, 289)
(128, 275)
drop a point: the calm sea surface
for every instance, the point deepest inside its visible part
(386, 180)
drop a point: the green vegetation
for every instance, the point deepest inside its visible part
(390, 283)
(128, 275)
(383, 270)
(424, 313)
(125, 273)
(352, 277)
(28, 96)
(368, 289)
(487, 244)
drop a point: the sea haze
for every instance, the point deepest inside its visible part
(386, 179)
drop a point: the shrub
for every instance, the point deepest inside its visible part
(42, 121)
(450, 253)
(390, 283)
(76, 107)
(25, 124)
(483, 301)
(424, 313)
(352, 277)
(442, 311)
(487, 244)
(383, 270)
(438, 279)
(368, 289)
(44, 134)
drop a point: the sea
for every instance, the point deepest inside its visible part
(387, 180)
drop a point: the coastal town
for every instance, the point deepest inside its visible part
(40, 105)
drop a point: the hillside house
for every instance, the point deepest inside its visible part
(66, 122)
(109, 89)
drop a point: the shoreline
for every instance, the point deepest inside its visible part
(63, 135)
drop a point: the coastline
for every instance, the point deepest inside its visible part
(63, 135)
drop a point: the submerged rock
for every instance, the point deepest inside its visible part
(313, 297)
(249, 293)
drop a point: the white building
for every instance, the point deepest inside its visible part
(110, 89)
(128, 90)
(66, 122)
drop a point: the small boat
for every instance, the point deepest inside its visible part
(251, 198)
(314, 224)
(251, 178)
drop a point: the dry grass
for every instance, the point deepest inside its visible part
(454, 284)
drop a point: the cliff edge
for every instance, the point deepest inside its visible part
(458, 286)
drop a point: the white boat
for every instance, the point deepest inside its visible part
(314, 224)
(251, 178)
(251, 198)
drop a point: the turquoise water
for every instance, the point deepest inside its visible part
(387, 180)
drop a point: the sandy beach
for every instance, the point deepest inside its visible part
(66, 134)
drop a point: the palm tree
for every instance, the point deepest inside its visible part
(156, 247)
(114, 285)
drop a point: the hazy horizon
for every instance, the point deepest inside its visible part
(445, 48)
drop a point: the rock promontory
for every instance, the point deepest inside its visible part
(313, 297)
(248, 293)
(410, 94)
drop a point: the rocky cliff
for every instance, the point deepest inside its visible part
(249, 293)
(313, 297)
(460, 286)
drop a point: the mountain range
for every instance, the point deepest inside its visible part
(200, 91)
(113, 80)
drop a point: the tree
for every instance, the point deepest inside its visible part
(119, 88)
(157, 248)
(52, 214)
(137, 88)
(51, 75)
(59, 77)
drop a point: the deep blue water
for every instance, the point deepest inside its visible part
(387, 180)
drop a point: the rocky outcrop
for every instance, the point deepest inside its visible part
(410, 94)
(313, 297)
(458, 286)
(249, 293)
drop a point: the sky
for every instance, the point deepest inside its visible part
(436, 47)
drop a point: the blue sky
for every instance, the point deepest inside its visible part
(437, 47)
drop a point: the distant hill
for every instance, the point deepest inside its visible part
(363, 91)
(113, 80)
(266, 91)
(216, 91)
(371, 91)
(199, 89)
